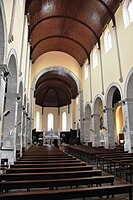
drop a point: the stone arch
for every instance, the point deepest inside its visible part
(88, 123)
(97, 116)
(128, 91)
(77, 81)
(19, 119)
(113, 99)
(11, 105)
(3, 34)
(109, 93)
(57, 68)
(128, 111)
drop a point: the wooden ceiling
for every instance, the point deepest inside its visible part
(55, 89)
(70, 26)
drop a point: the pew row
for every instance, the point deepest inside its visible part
(55, 183)
(49, 175)
(50, 169)
(47, 165)
(70, 193)
(45, 162)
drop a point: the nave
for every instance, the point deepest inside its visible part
(46, 172)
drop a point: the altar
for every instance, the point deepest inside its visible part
(51, 137)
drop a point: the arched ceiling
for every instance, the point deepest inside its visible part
(70, 26)
(55, 89)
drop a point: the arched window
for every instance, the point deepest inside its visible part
(86, 70)
(21, 4)
(64, 121)
(95, 58)
(37, 120)
(50, 121)
(127, 12)
(107, 41)
(77, 100)
(130, 10)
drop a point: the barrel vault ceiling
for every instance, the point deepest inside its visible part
(70, 26)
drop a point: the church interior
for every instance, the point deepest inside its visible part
(66, 99)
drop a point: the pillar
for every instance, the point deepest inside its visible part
(81, 115)
(127, 109)
(87, 129)
(109, 128)
(96, 130)
(9, 137)
(3, 71)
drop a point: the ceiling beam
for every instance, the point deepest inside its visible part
(60, 36)
(67, 17)
(109, 11)
(38, 90)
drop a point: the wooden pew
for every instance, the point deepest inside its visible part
(104, 160)
(30, 184)
(70, 193)
(49, 175)
(48, 165)
(45, 159)
(45, 162)
(49, 169)
(48, 156)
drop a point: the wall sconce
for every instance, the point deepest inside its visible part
(23, 107)
(92, 130)
(18, 97)
(18, 123)
(104, 128)
(5, 114)
(25, 113)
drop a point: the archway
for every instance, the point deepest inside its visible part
(97, 121)
(113, 116)
(61, 71)
(88, 124)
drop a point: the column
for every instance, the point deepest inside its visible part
(87, 129)
(32, 106)
(24, 127)
(9, 137)
(109, 128)
(10, 36)
(19, 129)
(22, 46)
(96, 130)
(118, 54)
(127, 108)
(81, 115)
(29, 132)
(3, 72)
